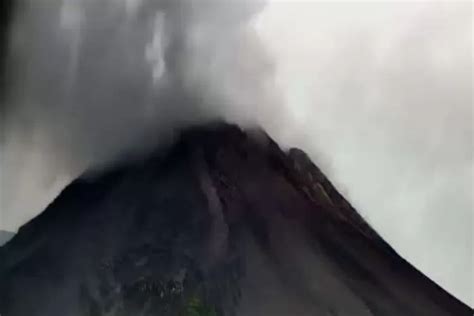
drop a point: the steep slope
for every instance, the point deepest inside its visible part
(222, 223)
(5, 236)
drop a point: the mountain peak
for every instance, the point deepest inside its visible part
(223, 222)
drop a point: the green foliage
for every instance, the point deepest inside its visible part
(195, 307)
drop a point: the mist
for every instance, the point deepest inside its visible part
(379, 95)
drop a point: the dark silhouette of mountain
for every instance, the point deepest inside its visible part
(222, 223)
(5, 236)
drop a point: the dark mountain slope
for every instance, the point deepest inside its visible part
(5, 236)
(224, 223)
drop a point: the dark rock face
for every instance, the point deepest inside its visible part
(225, 223)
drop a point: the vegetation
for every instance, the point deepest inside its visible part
(195, 307)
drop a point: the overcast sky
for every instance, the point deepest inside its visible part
(382, 99)
(379, 94)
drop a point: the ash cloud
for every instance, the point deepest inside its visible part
(96, 81)
(100, 76)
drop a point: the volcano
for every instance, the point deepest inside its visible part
(223, 222)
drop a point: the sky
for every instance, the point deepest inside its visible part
(379, 94)
(382, 99)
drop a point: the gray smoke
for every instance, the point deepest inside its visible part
(94, 81)
(96, 77)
